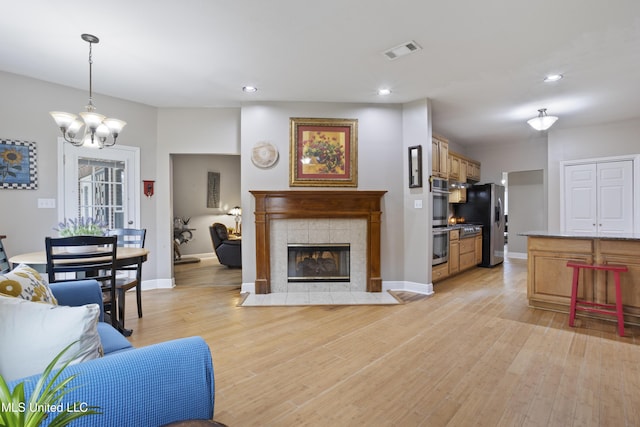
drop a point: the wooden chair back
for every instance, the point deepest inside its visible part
(129, 237)
(85, 257)
(4, 259)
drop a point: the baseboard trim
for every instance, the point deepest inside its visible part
(417, 288)
(158, 284)
(517, 255)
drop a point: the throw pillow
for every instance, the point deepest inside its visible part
(32, 334)
(26, 283)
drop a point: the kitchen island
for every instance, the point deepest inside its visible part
(549, 278)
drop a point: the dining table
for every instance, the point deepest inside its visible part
(125, 257)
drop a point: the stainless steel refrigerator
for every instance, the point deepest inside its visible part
(485, 205)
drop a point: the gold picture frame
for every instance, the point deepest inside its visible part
(323, 152)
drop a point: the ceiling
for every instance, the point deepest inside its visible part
(482, 62)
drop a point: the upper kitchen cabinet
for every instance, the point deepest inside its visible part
(440, 157)
(457, 168)
(463, 169)
(473, 171)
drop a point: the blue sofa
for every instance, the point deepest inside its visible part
(148, 386)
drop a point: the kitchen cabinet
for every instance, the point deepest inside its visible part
(598, 197)
(478, 242)
(457, 168)
(473, 171)
(463, 169)
(454, 252)
(439, 272)
(464, 253)
(457, 195)
(440, 157)
(467, 253)
(549, 279)
(454, 167)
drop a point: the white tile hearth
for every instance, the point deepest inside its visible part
(319, 298)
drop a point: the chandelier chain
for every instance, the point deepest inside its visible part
(91, 107)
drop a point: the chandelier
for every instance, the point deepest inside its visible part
(97, 128)
(542, 121)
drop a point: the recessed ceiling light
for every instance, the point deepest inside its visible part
(384, 92)
(249, 89)
(552, 78)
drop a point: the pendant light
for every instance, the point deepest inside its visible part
(543, 121)
(97, 128)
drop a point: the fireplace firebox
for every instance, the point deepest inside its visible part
(310, 262)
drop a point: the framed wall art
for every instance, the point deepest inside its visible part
(18, 165)
(415, 166)
(323, 152)
(213, 189)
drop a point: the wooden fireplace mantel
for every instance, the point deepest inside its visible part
(317, 204)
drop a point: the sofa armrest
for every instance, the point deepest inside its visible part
(78, 293)
(148, 386)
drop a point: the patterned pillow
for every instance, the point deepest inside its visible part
(26, 283)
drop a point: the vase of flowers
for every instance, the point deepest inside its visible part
(81, 227)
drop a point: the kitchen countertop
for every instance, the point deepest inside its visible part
(567, 235)
(457, 226)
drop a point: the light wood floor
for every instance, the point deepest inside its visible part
(473, 354)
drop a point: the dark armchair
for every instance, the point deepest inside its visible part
(229, 252)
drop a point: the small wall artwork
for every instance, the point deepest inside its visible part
(213, 189)
(18, 165)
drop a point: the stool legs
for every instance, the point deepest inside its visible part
(616, 275)
(594, 307)
(574, 296)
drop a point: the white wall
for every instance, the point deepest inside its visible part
(416, 127)
(190, 177)
(380, 167)
(613, 139)
(526, 207)
(187, 131)
(24, 115)
(510, 157)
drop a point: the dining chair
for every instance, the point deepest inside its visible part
(133, 238)
(85, 257)
(4, 259)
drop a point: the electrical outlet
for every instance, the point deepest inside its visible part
(46, 203)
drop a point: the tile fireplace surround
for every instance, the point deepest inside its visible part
(309, 231)
(317, 217)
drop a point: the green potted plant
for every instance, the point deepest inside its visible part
(19, 412)
(80, 227)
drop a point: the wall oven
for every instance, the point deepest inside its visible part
(440, 192)
(440, 246)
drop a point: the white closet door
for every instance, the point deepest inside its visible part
(615, 197)
(599, 197)
(580, 183)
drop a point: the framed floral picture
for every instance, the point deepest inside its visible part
(323, 152)
(18, 166)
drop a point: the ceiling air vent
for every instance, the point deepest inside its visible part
(402, 50)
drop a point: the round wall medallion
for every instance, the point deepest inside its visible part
(264, 154)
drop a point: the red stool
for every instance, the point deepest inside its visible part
(594, 307)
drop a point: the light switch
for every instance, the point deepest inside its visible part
(46, 203)
(417, 204)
